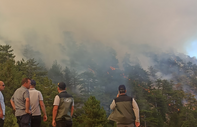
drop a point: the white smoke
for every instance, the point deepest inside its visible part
(126, 26)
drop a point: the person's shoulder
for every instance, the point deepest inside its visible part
(56, 97)
(37, 91)
(69, 95)
(34, 90)
(19, 89)
(22, 88)
(128, 96)
(65, 93)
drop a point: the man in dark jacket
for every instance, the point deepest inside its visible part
(125, 110)
(63, 108)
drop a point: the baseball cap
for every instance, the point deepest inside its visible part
(61, 85)
(122, 87)
(33, 82)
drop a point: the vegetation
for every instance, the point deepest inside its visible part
(163, 102)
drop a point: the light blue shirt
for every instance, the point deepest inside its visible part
(2, 104)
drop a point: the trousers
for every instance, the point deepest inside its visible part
(63, 123)
(24, 120)
(35, 121)
(1, 122)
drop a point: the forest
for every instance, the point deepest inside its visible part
(165, 91)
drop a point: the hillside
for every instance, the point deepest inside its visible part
(165, 90)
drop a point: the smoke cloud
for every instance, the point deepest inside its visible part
(126, 26)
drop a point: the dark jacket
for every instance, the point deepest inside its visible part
(123, 112)
(64, 108)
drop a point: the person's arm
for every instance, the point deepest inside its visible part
(55, 108)
(12, 103)
(1, 112)
(72, 109)
(27, 106)
(43, 110)
(27, 102)
(136, 112)
(42, 106)
(113, 105)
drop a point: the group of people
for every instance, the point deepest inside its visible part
(27, 101)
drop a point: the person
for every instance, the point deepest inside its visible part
(35, 103)
(21, 104)
(125, 110)
(2, 104)
(63, 108)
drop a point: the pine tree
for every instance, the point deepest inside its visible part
(55, 73)
(67, 77)
(88, 83)
(6, 53)
(93, 115)
(30, 68)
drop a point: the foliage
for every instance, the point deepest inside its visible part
(162, 102)
(93, 115)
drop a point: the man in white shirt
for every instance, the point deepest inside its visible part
(2, 105)
(36, 101)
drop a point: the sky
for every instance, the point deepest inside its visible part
(128, 26)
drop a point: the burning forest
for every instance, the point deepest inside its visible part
(149, 46)
(165, 92)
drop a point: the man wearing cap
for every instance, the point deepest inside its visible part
(35, 103)
(125, 110)
(63, 108)
(2, 104)
(21, 104)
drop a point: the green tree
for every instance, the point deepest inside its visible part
(67, 76)
(6, 53)
(10, 119)
(75, 80)
(88, 83)
(55, 73)
(93, 115)
(11, 77)
(30, 68)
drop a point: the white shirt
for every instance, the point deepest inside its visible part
(35, 98)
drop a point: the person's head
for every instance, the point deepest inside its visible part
(61, 86)
(2, 86)
(33, 83)
(26, 82)
(122, 89)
